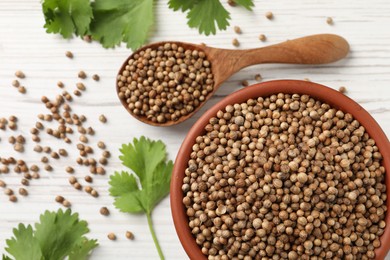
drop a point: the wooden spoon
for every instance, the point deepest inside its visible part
(314, 49)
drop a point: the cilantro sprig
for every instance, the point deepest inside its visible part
(58, 235)
(148, 161)
(130, 21)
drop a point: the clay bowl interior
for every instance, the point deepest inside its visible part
(317, 91)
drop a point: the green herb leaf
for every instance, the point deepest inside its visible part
(82, 250)
(67, 16)
(24, 246)
(122, 20)
(147, 160)
(203, 14)
(59, 232)
(248, 4)
(57, 236)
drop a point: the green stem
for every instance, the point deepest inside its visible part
(150, 223)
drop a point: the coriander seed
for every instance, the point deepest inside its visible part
(95, 77)
(129, 235)
(82, 74)
(102, 119)
(20, 74)
(69, 54)
(104, 211)
(235, 42)
(111, 236)
(269, 15)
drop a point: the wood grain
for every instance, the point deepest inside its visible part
(24, 45)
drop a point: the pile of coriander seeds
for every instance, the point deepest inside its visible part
(285, 177)
(165, 83)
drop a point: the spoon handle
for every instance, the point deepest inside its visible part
(314, 49)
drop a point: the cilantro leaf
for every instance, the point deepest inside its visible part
(57, 236)
(181, 5)
(59, 232)
(82, 250)
(122, 20)
(248, 4)
(67, 16)
(24, 246)
(147, 160)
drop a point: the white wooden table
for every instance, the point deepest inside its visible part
(24, 45)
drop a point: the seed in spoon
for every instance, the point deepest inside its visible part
(181, 82)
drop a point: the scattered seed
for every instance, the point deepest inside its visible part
(77, 186)
(104, 211)
(35, 138)
(12, 125)
(87, 38)
(111, 236)
(20, 139)
(20, 74)
(19, 147)
(237, 30)
(34, 168)
(15, 83)
(88, 189)
(13, 198)
(38, 148)
(48, 168)
(59, 199)
(23, 192)
(102, 119)
(343, 89)
(66, 203)
(72, 180)
(60, 84)
(63, 152)
(235, 42)
(95, 77)
(83, 139)
(88, 179)
(106, 154)
(13, 118)
(2, 184)
(80, 86)
(103, 161)
(22, 89)
(8, 191)
(25, 182)
(69, 169)
(69, 54)
(90, 131)
(35, 175)
(100, 170)
(101, 145)
(245, 83)
(4, 169)
(54, 155)
(269, 15)
(12, 140)
(94, 193)
(232, 3)
(77, 93)
(329, 20)
(258, 77)
(129, 235)
(262, 37)
(82, 74)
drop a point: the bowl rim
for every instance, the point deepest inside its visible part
(325, 94)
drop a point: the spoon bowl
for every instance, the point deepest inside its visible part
(314, 49)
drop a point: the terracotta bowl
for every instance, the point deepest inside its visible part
(320, 92)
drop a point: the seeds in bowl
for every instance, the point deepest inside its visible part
(165, 83)
(285, 177)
